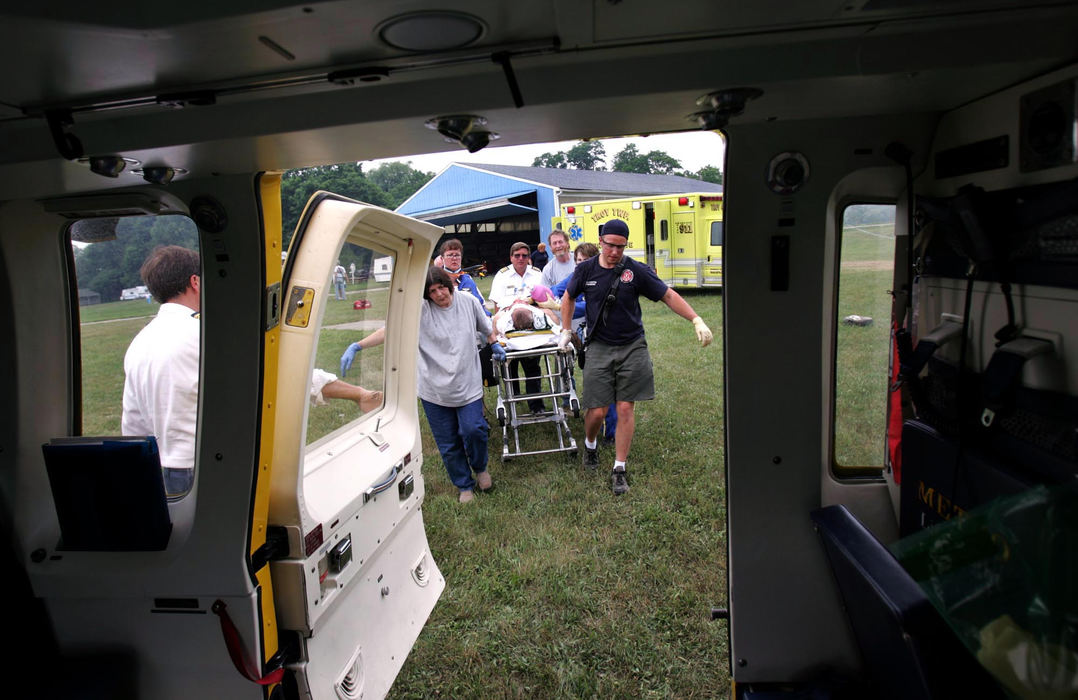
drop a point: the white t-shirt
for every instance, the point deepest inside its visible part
(161, 384)
(555, 271)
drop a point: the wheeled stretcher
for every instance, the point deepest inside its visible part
(558, 393)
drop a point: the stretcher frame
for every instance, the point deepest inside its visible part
(556, 376)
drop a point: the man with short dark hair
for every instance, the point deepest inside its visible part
(161, 365)
(515, 280)
(619, 366)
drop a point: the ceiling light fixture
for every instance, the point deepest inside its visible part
(438, 30)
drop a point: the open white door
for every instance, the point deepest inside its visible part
(359, 580)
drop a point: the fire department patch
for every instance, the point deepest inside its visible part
(627, 276)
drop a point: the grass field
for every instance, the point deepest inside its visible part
(865, 281)
(555, 588)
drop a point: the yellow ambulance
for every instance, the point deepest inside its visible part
(678, 235)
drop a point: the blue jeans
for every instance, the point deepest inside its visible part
(178, 481)
(339, 288)
(461, 435)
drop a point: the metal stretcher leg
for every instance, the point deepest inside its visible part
(553, 375)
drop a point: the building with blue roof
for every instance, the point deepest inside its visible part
(489, 207)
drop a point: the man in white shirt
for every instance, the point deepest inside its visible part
(161, 365)
(339, 281)
(515, 281)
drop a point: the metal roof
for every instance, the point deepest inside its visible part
(602, 180)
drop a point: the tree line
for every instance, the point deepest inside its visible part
(110, 267)
(591, 155)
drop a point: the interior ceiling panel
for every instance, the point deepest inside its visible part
(84, 52)
(604, 68)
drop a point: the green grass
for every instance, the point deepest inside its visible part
(103, 348)
(862, 351)
(555, 588)
(869, 242)
(134, 308)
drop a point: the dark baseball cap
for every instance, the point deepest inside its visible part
(616, 227)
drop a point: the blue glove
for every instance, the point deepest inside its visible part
(497, 352)
(348, 357)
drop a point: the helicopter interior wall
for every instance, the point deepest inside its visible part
(83, 590)
(779, 578)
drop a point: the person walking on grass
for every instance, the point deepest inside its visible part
(339, 281)
(618, 367)
(450, 380)
(582, 253)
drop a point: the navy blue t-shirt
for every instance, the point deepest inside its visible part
(623, 324)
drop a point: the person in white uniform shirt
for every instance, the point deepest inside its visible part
(161, 365)
(512, 282)
(515, 281)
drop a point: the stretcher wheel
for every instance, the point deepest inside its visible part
(501, 417)
(574, 405)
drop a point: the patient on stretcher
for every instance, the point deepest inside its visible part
(521, 326)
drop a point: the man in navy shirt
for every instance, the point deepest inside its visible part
(618, 367)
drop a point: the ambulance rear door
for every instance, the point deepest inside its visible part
(683, 255)
(358, 580)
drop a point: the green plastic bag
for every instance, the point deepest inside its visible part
(1005, 577)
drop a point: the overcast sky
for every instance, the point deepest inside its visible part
(694, 149)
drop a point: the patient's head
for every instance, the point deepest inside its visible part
(522, 319)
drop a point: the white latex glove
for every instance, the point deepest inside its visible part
(552, 304)
(703, 333)
(566, 338)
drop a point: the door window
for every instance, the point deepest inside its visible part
(863, 342)
(352, 333)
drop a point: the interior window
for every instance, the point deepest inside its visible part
(866, 274)
(114, 305)
(355, 314)
(716, 233)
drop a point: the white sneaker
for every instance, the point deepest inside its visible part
(466, 496)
